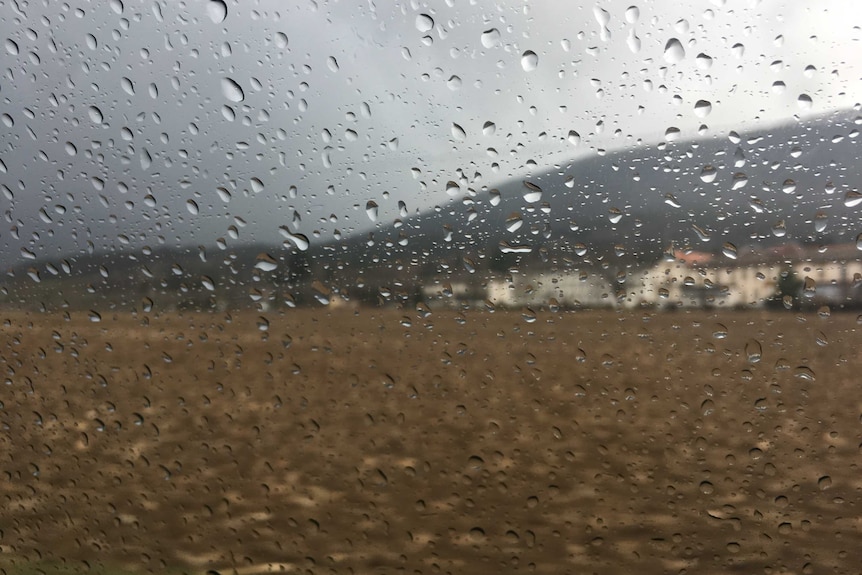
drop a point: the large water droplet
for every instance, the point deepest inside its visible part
(852, 199)
(217, 11)
(424, 23)
(281, 40)
(371, 210)
(490, 38)
(673, 51)
(231, 90)
(489, 128)
(804, 101)
(702, 108)
(95, 115)
(574, 138)
(265, 262)
(458, 132)
(529, 61)
(514, 222)
(533, 193)
(192, 207)
(729, 250)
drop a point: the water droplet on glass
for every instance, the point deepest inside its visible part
(821, 220)
(231, 90)
(95, 114)
(574, 138)
(265, 262)
(729, 250)
(703, 61)
(192, 207)
(859, 242)
(489, 128)
(533, 193)
(371, 210)
(494, 197)
(809, 287)
(673, 51)
(208, 283)
(702, 108)
(529, 61)
(458, 132)
(852, 199)
(332, 64)
(615, 215)
(11, 47)
(671, 134)
(490, 38)
(95, 317)
(453, 83)
(788, 187)
(632, 14)
(424, 23)
(299, 240)
(514, 222)
(804, 101)
(281, 40)
(753, 351)
(708, 174)
(779, 229)
(217, 11)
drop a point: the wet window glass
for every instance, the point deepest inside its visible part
(430, 287)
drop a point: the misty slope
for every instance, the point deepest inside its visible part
(619, 208)
(729, 188)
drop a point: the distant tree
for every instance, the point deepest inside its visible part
(787, 290)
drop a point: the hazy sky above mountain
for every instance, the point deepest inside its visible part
(131, 124)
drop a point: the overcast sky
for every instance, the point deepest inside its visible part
(132, 124)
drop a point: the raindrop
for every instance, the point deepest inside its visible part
(729, 250)
(192, 207)
(424, 23)
(223, 194)
(265, 262)
(452, 188)
(804, 101)
(256, 185)
(672, 134)
(753, 351)
(821, 220)
(702, 108)
(458, 132)
(208, 283)
(859, 242)
(632, 14)
(95, 115)
(95, 317)
(533, 193)
(117, 6)
(231, 90)
(574, 138)
(615, 215)
(11, 47)
(299, 240)
(490, 38)
(514, 222)
(128, 86)
(673, 51)
(489, 128)
(708, 174)
(529, 61)
(852, 199)
(371, 210)
(703, 61)
(779, 229)
(332, 64)
(453, 83)
(280, 40)
(217, 11)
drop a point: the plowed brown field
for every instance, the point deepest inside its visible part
(382, 442)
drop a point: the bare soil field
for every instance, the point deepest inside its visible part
(374, 441)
